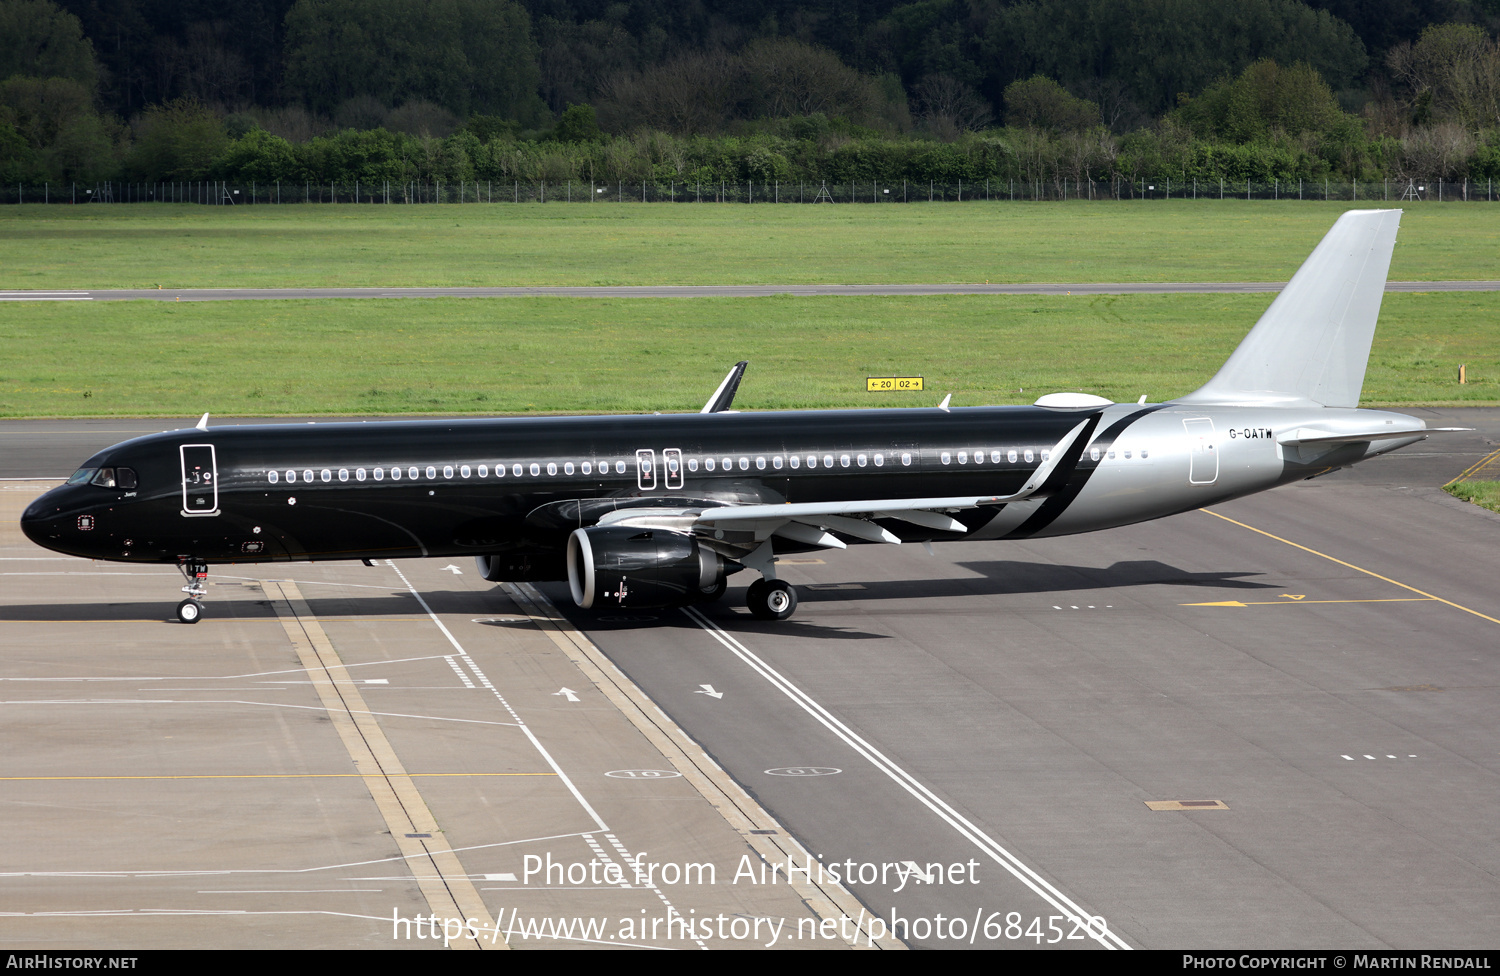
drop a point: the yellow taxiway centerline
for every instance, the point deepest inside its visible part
(1295, 603)
(23, 779)
(1358, 569)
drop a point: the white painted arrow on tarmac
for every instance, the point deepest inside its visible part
(567, 693)
(709, 690)
(450, 568)
(915, 870)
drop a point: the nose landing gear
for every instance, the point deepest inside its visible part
(195, 571)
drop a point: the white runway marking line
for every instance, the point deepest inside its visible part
(234, 677)
(225, 872)
(733, 803)
(906, 781)
(240, 701)
(603, 828)
(45, 296)
(531, 736)
(459, 671)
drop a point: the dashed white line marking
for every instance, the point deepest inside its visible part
(459, 671)
(966, 829)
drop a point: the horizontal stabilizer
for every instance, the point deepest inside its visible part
(1313, 343)
(1310, 435)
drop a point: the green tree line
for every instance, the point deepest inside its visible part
(496, 90)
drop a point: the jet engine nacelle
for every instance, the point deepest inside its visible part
(641, 568)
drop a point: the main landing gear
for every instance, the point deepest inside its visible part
(771, 599)
(190, 611)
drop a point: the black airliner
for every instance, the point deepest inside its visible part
(657, 511)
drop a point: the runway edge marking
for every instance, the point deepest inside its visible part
(965, 828)
(742, 813)
(448, 890)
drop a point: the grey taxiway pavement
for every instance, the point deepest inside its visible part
(1270, 724)
(703, 291)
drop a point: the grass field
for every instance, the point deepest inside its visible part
(1485, 494)
(181, 246)
(404, 356)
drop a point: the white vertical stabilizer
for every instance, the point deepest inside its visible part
(1313, 343)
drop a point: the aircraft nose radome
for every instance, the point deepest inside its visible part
(38, 519)
(32, 522)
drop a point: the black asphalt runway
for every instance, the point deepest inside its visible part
(703, 291)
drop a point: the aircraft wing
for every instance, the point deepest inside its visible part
(813, 523)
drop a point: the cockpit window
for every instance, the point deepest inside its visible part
(82, 476)
(108, 478)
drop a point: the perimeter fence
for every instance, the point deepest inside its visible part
(221, 193)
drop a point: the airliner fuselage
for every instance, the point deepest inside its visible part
(516, 488)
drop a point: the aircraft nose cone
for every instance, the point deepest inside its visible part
(39, 521)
